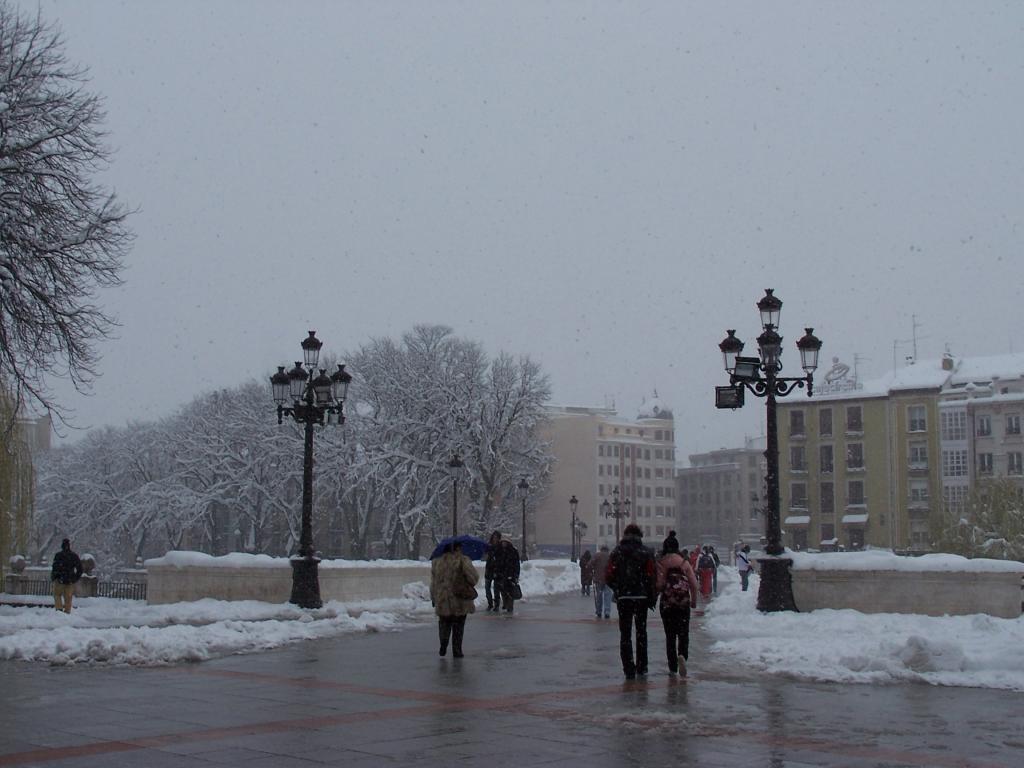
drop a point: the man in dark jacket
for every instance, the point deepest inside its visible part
(631, 576)
(506, 573)
(493, 600)
(66, 570)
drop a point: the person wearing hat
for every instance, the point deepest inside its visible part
(65, 571)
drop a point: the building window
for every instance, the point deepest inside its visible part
(918, 491)
(855, 456)
(916, 419)
(984, 426)
(855, 493)
(825, 457)
(796, 423)
(600, 450)
(797, 458)
(828, 531)
(825, 421)
(1013, 424)
(984, 463)
(657, 434)
(600, 470)
(854, 420)
(798, 495)
(918, 454)
(955, 498)
(1013, 463)
(954, 463)
(953, 425)
(828, 499)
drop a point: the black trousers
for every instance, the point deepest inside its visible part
(454, 627)
(677, 635)
(633, 612)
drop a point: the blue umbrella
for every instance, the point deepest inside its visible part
(472, 547)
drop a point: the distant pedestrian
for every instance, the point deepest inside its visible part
(64, 573)
(631, 576)
(453, 581)
(743, 566)
(493, 544)
(677, 587)
(506, 574)
(586, 572)
(671, 544)
(706, 569)
(714, 574)
(602, 592)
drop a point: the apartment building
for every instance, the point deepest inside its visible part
(721, 495)
(596, 452)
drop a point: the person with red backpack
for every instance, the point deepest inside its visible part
(677, 587)
(631, 575)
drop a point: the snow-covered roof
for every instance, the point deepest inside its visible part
(654, 408)
(854, 519)
(984, 369)
(798, 520)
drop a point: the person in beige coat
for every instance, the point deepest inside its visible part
(452, 581)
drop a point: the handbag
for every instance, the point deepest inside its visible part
(463, 590)
(516, 591)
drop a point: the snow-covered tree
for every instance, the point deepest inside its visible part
(62, 236)
(993, 525)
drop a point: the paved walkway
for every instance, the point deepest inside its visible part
(541, 688)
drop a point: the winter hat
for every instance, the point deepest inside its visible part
(66, 544)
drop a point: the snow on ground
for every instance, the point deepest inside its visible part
(848, 646)
(103, 630)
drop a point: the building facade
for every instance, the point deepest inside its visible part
(596, 452)
(721, 495)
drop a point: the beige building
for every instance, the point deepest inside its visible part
(597, 451)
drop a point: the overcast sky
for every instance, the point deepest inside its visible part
(606, 187)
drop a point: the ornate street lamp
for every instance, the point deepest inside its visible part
(616, 509)
(573, 503)
(524, 492)
(455, 465)
(315, 400)
(760, 376)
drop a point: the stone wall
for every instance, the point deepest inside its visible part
(933, 593)
(172, 584)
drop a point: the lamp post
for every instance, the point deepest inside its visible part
(760, 375)
(616, 509)
(315, 400)
(524, 491)
(455, 465)
(581, 530)
(573, 503)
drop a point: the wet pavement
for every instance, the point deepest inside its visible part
(543, 687)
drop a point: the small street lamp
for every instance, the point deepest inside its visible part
(745, 373)
(455, 465)
(524, 492)
(616, 509)
(573, 503)
(315, 400)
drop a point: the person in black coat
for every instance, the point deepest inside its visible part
(490, 588)
(631, 575)
(506, 573)
(64, 573)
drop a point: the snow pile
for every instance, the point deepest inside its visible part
(849, 646)
(885, 560)
(184, 559)
(548, 577)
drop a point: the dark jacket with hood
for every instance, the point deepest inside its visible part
(631, 573)
(67, 568)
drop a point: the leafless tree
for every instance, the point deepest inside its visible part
(62, 236)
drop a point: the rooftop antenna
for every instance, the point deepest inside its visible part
(858, 358)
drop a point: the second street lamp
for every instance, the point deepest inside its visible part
(573, 532)
(314, 401)
(524, 491)
(760, 376)
(455, 465)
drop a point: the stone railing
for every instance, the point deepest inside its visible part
(933, 585)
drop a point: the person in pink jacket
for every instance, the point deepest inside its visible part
(677, 587)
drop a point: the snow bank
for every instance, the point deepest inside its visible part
(849, 646)
(245, 560)
(884, 560)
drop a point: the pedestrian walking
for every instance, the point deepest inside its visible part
(743, 566)
(714, 574)
(491, 591)
(706, 569)
(64, 573)
(672, 541)
(677, 586)
(453, 581)
(602, 592)
(506, 574)
(586, 572)
(631, 575)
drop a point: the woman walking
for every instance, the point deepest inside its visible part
(678, 589)
(586, 572)
(452, 592)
